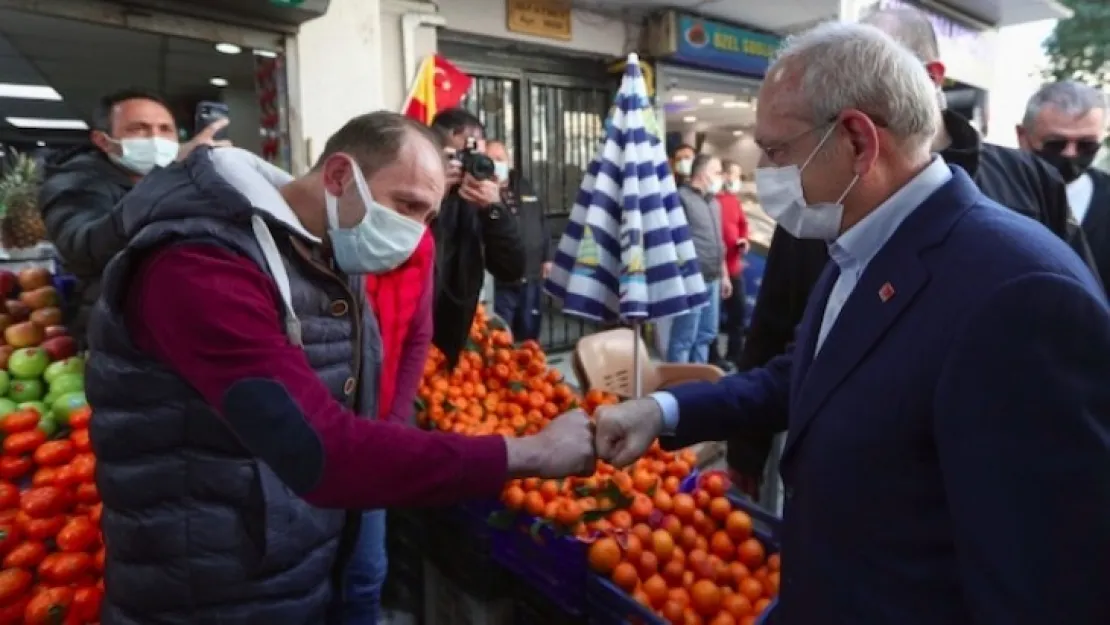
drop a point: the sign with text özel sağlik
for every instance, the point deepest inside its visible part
(713, 45)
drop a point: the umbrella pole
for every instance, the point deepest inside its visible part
(637, 372)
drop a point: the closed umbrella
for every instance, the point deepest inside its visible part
(626, 253)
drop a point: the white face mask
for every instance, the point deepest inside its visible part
(381, 242)
(783, 199)
(684, 166)
(143, 154)
(501, 170)
(715, 186)
(733, 186)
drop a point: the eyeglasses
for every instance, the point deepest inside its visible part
(1083, 147)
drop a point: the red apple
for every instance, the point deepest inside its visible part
(60, 348)
(5, 354)
(54, 331)
(42, 297)
(33, 278)
(25, 334)
(45, 317)
(18, 310)
(5, 321)
(8, 282)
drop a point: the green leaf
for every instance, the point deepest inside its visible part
(596, 514)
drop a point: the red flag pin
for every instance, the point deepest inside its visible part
(886, 292)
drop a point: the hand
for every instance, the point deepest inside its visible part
(726, 289)
(481, 193)
(204, 137)
(454, 171)
(545, 270)
(565, 447)
(743, 245)
(626, 431)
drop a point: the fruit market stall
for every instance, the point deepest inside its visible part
(655, 543)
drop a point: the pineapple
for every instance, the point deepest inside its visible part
(21, 223)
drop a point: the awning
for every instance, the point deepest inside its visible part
(999, 13)
(283, 12)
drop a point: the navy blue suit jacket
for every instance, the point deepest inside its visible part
(948, 455)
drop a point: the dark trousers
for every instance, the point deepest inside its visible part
(733, 311)
(520, 306)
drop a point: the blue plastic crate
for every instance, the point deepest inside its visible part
(555, 566)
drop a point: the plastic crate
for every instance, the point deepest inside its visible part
(459, 542)
(556, 566)
(609, 605)
(445, 603)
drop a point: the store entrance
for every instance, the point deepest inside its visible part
(53, 71)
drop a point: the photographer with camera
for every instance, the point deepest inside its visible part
(474, 231)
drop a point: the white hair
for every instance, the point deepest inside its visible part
(857, 66)
(1072, 98)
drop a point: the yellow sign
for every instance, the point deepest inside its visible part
(550, 19)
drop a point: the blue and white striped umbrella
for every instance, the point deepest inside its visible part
(626, 253)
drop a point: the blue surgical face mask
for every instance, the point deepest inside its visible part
(143, 154)
(381, 242)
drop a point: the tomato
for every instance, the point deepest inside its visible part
(64, 568)
(42, 502)
(22, 443)
(19, 421)
(98, 560)
(45, 476)
(15, 467)
(9, 496)
(78, 535)
(86, 603)
(26, 555)
(79, 419)
(41, 529)
(8, 516)
(95, 513)
(12, 613)
(54, 453)
(50, 607)
(9, 537)
(84, 467)
(80, 440)
(87, 493)
(13, 583)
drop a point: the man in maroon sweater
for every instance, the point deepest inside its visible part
(234, 381)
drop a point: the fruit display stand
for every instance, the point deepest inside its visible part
(51, 550)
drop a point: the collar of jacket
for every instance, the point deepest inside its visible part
(966, 143)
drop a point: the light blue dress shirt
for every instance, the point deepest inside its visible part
(852, 252)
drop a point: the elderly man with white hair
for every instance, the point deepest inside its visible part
(947, 399)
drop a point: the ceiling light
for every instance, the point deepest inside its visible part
(228, 48)
(706, 100)
(28, 92)
(41, 144)
(264, 53)
(689, 119)
(218, 82)
(47, 124)
(679, 97)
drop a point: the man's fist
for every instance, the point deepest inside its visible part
(481, 193)
(565, 447)
(626, 431)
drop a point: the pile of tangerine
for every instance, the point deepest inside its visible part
(696, 564)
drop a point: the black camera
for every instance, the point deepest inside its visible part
(473, 162)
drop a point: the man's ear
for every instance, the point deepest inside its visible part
(1023, 138)
(103, 142)
(936, 71)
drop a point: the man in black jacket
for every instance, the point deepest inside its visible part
(1019, 181)
(474, 233)
(519, 303)
(133, 132)
(1065, 124)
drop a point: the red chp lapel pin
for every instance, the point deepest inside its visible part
(886, 291)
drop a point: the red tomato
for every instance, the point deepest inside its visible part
(24, 443)
(26, 555)
(79, 419)
(15, 467)
(50, 607)
(95, 512)
(54, 453)
(20, 421)
(43, 502)
(84, 467)
(81, 440)
(9, 537)
(86, 603)
(13, 584)
(12, 613)
(64, 568)
(41, 529)
(78, 535)
(87, 493)
(98, 560)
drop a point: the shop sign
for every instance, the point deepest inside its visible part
(713, 45)
(550, 19)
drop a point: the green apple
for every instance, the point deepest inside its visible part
(37, 406)
(68, 366)
(26, 390)
(28, 363)
(67, 383)
(66, 404)
(6, 406)
(5, 382)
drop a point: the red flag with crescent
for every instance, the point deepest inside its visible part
(439, 85)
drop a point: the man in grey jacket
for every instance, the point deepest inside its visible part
(692, 334)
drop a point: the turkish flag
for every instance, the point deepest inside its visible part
(439, 85)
